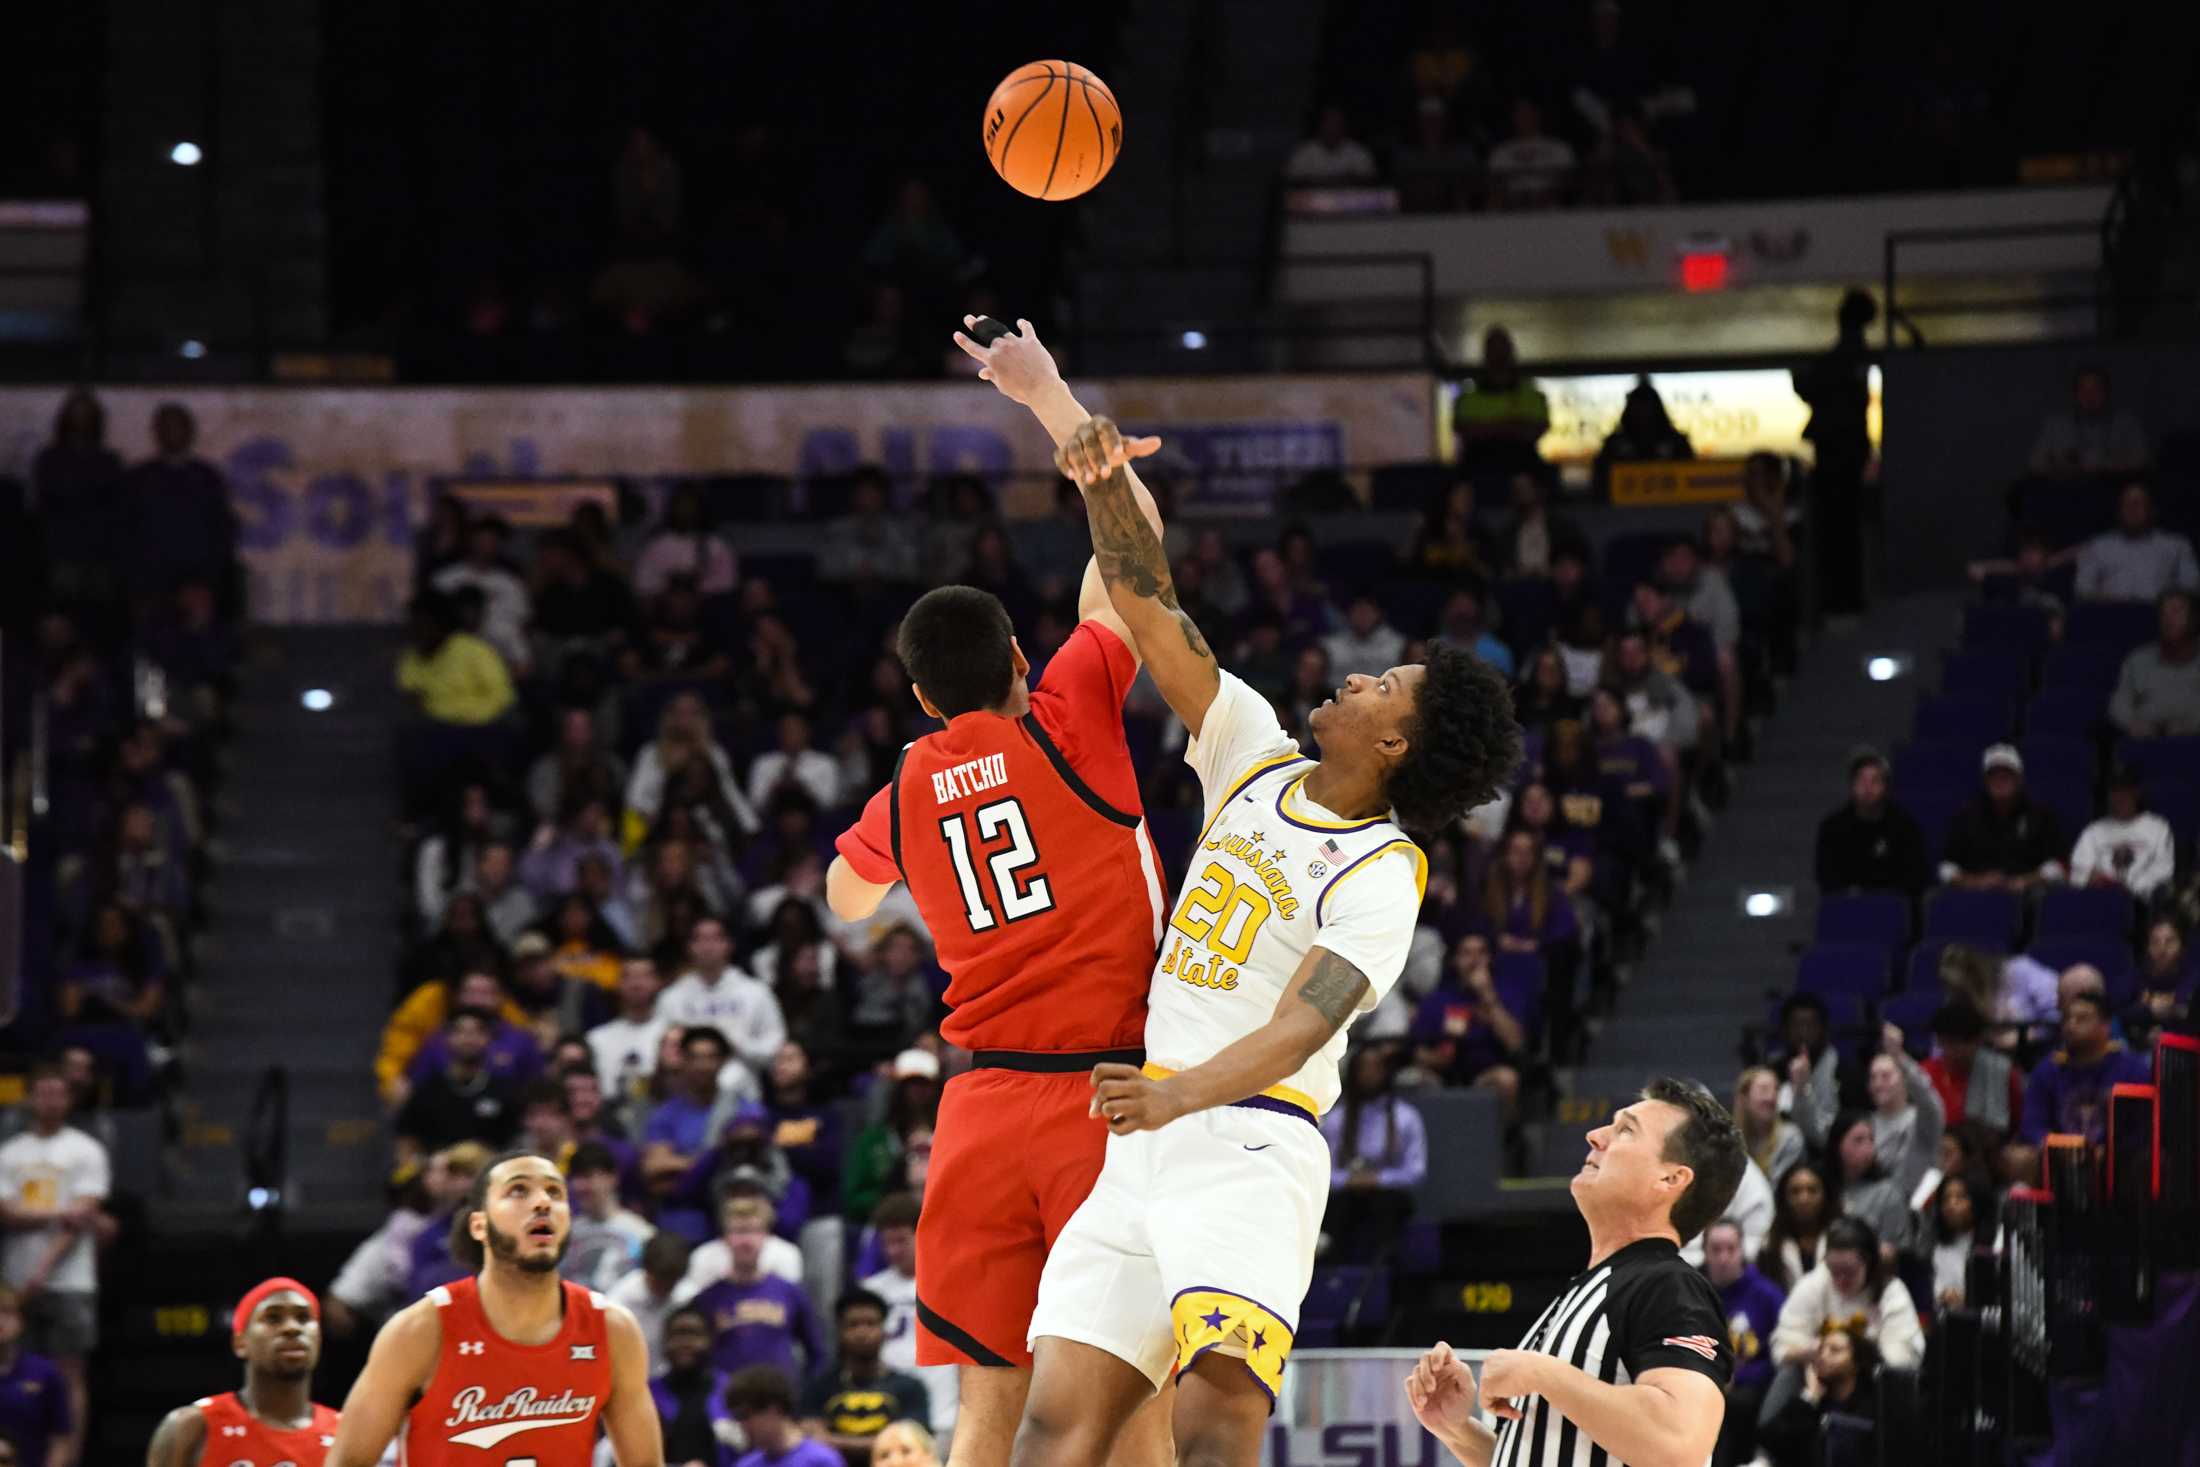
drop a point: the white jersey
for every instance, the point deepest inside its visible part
(1273, 876)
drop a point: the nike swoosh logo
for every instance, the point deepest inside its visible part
(1260, 1148)
(489, 1436)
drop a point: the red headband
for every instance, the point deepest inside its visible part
(259, 1296)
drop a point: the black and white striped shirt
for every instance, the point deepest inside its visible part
(1641, 1309)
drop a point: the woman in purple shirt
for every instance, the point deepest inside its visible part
(1378, 1152)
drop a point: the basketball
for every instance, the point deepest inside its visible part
(1052, 129)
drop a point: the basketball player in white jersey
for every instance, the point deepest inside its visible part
(1194, 1251)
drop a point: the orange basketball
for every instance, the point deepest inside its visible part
(1052, 129)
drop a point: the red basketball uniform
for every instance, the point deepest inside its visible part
(237, 1438)
(1023, 844)
(501, 1402)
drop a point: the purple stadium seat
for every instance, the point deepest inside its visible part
(2122, 625)
(2175, 758)
(2178, 802)
(2083, 665)
(1975, 718)
(2021, 628)
(1879, 918)
(1988, 918)
(1937, 763)
(1934, 808)
(2084, 911)
(2068, 710)
(2004, 672)
(2067, 792)
(1858, 969)
(2112, 955)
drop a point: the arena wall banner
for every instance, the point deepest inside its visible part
(331, 482)
(1347, 1408)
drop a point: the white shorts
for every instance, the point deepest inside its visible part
(1198, 1236)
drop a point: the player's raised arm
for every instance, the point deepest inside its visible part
(398, 1367)
(1323, 995)
(1136, 569)
(630, 1416)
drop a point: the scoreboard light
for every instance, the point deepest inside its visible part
(1706, 263)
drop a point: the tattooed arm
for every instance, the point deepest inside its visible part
(1136, 569)
(1323, 996)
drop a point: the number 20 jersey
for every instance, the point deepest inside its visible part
(1025, 848)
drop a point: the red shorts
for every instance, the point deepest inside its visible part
(1013, 1155)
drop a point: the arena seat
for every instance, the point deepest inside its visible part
(1875, 917)
(2066, 711)
(1859, 969)
(1463, 1168)
(1975, 718)
(2122, 625)
(1988, 918)
(2014, 626)
(2077, 664)
(2083, 911)
(1996, 671)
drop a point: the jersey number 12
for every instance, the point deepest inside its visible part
(1020, 892)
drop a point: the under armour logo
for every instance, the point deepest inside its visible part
(232, 1431)
(472, 1347)
(584, 1352)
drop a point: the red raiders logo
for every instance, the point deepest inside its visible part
(1703, 1345)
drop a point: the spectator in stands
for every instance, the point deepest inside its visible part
(1976, 1084)
(841, 1404)
(795, 928)
(685, 741)
(761, 1402)
(1627, 168)
(54, 1183)
(1703, 592)
(2129, 846)
(914, 244)
(584, 947)
(2091, 436)
(675, 643)
(2158, 692)
(757, 1318)
(1378, 1152)
(1842, 1365)
(1631, 770)
(1530, 169)
(896, 999)
(715, 991)
(906, 1444)
(447, 857)
(1908, 1115)
(2166, 985)
(1645, 433)
(1680, 646)
(1837, 386)
(1774, 1143)
(1765, 521)
(1658, 709)
(579, 607)
(807, 1128)
(460, 1100)
(1332, 154)
(711, 1262)
(1436, 172)
(1951, 1221)
(794, 759)
(1803, 1207)
(2067, 1092)
(1871, 843)
(883, 1147)
(112, 982)
(1533, 537)
(422, 1016)
(77, 479)
(1542, 697)
(507, 907)
(551, 867)
(2029, 577)
(176, 519)
(682, 1127)
(1502, 419)
(1521, 911)
(371, 1285)
(1868, 1189)
(507, 608)
(576, 767)
(692, 1411)
(648, 1291)
(459, 684)
(1450, 542)
(1460, 624)
(514, 1052)
(1854, 1280)
(867, 543)
(607, 1240)
(1816, 1080)
(1752, 1304)
(1368, 644)
(894, 1222)
(624, 1049)
(2001, 839)
(683, 544)
(2135, 561)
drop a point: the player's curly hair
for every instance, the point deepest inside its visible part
(1462, 744)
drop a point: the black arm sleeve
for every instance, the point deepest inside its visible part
(1668, 1318)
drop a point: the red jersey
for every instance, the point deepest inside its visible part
(503, 1401)
(237, 1438)
(1024, 845)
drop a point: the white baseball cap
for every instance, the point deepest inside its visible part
(2002, 756)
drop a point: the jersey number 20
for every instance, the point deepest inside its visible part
(1020, 892)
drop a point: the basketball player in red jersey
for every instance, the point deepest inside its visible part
(1019, 831)
(513, 1365)
(271, 1421)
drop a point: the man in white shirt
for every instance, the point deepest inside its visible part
(506, 606)
(713, 1261)
(2135, 561)
(1530, 169)
(53, 1180)
(895, 1221)
(607, 1240)
(1368, 644)
(625, 1048)
(2091, 437)
(1330, 155)
(810, 769)
(648, 1291)
(2128, 847)
(716, 993)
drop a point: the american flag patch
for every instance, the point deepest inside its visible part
(1331, 851)
(1703, 1345)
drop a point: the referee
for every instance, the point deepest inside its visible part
(1629, 1367)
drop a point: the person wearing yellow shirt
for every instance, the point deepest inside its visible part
(454, 676)
(422, 1014)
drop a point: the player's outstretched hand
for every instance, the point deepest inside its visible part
(1441, 1392)
(1128, 1101)
(1020, 366)
(1097, 449)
